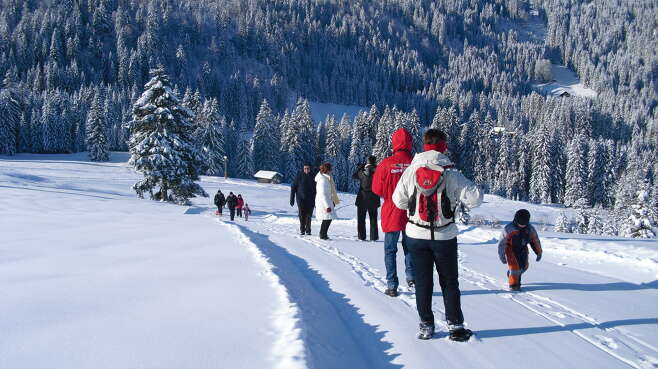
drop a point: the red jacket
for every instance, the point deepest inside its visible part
(388, 173)
(240, 203)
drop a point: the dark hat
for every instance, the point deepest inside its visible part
(522, 217)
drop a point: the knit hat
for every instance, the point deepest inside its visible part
(522, 217)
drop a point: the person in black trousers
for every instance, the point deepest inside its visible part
(366, 200)
(231, 203)
(303, 190)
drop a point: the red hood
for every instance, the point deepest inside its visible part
(402, 140)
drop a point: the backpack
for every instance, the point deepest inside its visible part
(429, 192)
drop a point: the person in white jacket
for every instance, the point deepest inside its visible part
(431, 230)
(326, 199)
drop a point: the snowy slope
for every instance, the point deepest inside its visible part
(93, 277)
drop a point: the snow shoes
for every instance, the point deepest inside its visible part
(460, 334)
(426, 331)
(393, 292)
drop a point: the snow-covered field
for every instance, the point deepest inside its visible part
(565, 80)
(93, 277)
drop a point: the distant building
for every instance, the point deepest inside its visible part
(266, 176)
(565, 94)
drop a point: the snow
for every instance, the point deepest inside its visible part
(93, 277)
(565, 80)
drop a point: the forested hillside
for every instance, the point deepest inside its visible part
(464, 66)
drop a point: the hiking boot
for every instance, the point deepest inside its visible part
(411, 283)
(308, 233)
(426, 331)
(515, 287)
(393, 292)
(460, 334)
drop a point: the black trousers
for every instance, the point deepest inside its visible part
(361, 222)
(219, 209)
(232, 211)
(441, 254)
(305, 216)
(324, 228)
(239, 212)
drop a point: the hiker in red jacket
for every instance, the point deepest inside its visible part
(240, 205)
(394, 220)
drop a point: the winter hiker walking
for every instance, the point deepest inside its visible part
(326, 199)
(303, 189)
(394, 220)
(429, 190)
(246, 211)
(219, 201)
(231, 203)
(366, 200)
(513, 247)
(239, 206)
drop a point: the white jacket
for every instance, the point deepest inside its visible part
(458, 188)
(325, 197)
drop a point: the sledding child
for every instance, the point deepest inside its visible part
(513, 247)
(246, 211)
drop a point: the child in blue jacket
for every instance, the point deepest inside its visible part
(513, 247)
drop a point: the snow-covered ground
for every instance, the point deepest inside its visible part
(565, 80)
(93, 277)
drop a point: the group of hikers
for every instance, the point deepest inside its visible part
(420, 195)
(235, 205)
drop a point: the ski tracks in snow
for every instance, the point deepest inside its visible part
(620, 345)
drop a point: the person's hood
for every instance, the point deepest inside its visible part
(431, 158)
(402, 140)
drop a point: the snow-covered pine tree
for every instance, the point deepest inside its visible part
(287, 139)
(265, 151)
(360, 148)
(371, 122)
(340, 170)
(609, 226)
(383, 144)
(562, 223)
(582, 216)
(412, 124)
(320, 142)
(596, 181)
(304, 129)
(210, 137)
(97, 144)
(161, 144)
(245, 164)
(10, 118)
(642, 220)
(595, 223)
(576, 175)
(543, 154)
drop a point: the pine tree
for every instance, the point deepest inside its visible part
(265, 151)
(642, 220)
(304, 129)
(576, 175)
(360, 148)
(96, 132)
(210, 137)
(543, 167)
(595, 224)
(161, 144)
(562, 224)
(582, 216)
(383, 145)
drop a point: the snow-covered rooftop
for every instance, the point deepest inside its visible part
(266, 174)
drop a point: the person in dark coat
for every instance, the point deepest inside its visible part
(303, 190)
(219, 201)
(366, 200)
(231, 203)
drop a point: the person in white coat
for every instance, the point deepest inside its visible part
(326, 199)
(430, 190)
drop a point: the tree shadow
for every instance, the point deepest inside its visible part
(58, 192)
(509, 332)
(335, 334)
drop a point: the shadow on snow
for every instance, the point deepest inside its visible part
(335, 334)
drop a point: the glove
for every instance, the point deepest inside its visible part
(538, 257)
(328, 210)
